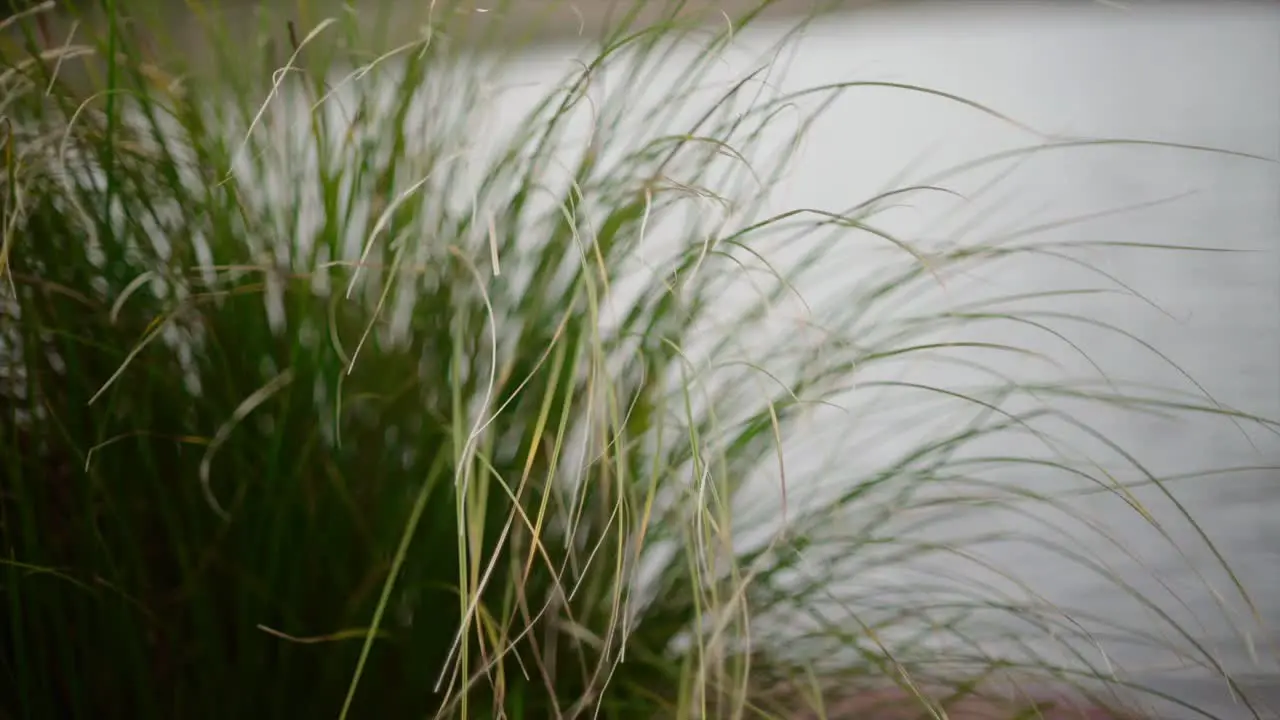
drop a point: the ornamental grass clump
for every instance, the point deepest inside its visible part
(356, 379)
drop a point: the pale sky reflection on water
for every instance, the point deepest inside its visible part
(1206, 75)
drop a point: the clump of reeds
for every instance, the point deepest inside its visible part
(329, 390)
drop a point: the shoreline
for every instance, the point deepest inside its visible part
(263, 27)
(549, 20)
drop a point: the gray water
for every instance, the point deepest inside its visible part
(1198, 75)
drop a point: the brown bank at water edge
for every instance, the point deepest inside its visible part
(881, 702)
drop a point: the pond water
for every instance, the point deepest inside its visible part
(1200, 322)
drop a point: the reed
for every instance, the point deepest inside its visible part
(320, 399)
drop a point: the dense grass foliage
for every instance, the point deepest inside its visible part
(320, 399)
